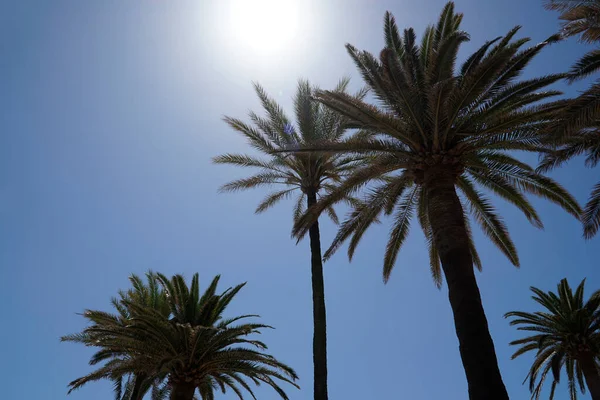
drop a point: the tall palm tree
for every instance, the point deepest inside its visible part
(127, 386)
(437, 132)
(308, 175)
(192, 346)
(566, 334)
(578, 131)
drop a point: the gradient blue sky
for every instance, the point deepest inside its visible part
(111, 111)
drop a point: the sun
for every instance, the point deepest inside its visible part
(264, 26)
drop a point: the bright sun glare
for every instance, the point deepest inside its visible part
(264, 26)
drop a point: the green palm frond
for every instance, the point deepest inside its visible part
(491, 224)
(580, 113)
(273, 198)
(504, 189)
(435, 266)
(591, 213)
(564, 335)
(399, 232)
(585, 66)
(260, 179)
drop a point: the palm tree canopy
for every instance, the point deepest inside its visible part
(189, 342)
(576, 131)
(566, 328)
(299, 173)
(579, 17)
(432, 118)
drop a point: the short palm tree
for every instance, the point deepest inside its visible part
(192, 346)
(566, 334)
(578, 131)
(307, 176)
(438, 131)
(128, 386)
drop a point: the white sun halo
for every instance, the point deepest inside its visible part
(264, 26)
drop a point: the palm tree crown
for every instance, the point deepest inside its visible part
(190, 343)
(127, 385)
(579, 17)
(565, 335)
(576, 132)
(434, 123)
(298, 172)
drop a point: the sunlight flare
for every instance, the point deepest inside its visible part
(264, 26)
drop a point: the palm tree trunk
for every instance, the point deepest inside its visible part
(590, 372)
(183, 391)
(451, 240)
(137, 387)
(319, 316)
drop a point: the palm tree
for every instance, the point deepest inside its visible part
(127, 386)
(309, 175)
(566, 335)
(437, 131)
(192, 346)
(580, 17)
(578, 131)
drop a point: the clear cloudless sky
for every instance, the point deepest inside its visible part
(110, 112)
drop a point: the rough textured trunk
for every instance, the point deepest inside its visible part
(319, 317)
(451, 240)
(590, 372)
(183, 391)
(136, 393)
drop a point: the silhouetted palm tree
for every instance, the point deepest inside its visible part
(190, 345)
(566, 335)
(305, 175)
(127, 386)
(578, 131)
(437, 131)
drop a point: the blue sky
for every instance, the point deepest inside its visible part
(111, 111)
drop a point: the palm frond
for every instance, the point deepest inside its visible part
(591, 213)
(491, 224)
(272, 199)
(399, 232)
(585, 66)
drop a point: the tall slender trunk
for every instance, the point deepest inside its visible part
(137, 387)
(451, 240)
(183, 391)
(319, 316)
(590, 372)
